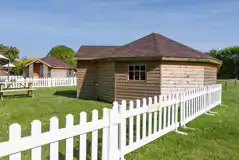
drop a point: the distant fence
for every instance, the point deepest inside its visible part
(228, 83)
(124, 127)
(44, 82)
(4, 78)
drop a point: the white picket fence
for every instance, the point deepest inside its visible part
(5, 78)
(44, 82)
(125, 128)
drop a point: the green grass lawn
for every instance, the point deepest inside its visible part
(214, 137)
(48, 102)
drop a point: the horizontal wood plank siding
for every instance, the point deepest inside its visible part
(179, 76)
(58, 72)
(86, 79)
(133, 89)
(210, 73)
(106, 81)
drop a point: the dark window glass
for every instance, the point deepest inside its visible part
(131, 75)
(136, 75)
(137, 72)
(137, 68)
(142, 68)
(131, 68)
(142, 76)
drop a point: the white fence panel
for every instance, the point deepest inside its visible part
(109, 124)
(160, 115)
(10, 78)
(44, 82)
(165, 113)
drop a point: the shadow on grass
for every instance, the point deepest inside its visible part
(76, 151)
(17, 96)
(67, 93)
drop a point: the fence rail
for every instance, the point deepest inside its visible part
(126, 127)
(44, 82)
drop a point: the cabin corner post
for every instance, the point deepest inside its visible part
(77, 93)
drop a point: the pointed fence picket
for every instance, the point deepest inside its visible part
(148, 119)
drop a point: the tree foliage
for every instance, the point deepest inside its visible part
(12, 53)
(230, 58)
(63, 53)
(18, 70)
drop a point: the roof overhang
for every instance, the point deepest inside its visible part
(85, 58)
(205, 60)
(39, 61)
(213, 61)
(62, 68)
(47, 65)
(179, 59)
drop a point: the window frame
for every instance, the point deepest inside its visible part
(139, 72)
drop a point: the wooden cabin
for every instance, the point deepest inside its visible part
(149, 66)
(48, 67)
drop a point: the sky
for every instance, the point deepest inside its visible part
(35, 26)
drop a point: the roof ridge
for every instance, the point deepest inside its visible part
(153, 44)
(156, 44)
(177, 42)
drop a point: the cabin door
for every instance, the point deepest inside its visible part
(36, 69)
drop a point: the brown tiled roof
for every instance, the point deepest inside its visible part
(95, 51)
(152, 45)
(55, 63)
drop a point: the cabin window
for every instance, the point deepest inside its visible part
(137, 72)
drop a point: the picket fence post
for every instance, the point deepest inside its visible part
(182, 109)
(83, 138)
(150, 101)
(94, 140)
(113, 133)
(176, 110)
(105, 135)
(155, 114)
(69, 141)
(160, 113)
(14, 135)
(122, 129)
(36, 131)
(54, 150)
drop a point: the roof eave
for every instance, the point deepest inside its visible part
(38, 60)
(210, 60)
(63, 67)
(216, 62)
(85, 58)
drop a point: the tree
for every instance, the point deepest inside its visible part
(20, 64)
(12, 53)
(230, 58)
(63, 53)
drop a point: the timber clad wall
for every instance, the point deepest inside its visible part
(210, 73)
(30, 70)
(45, 70)
(109, 80)
(133, 89)
(58, 72)
(177, 76)
(86, 78)
(106, 81)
